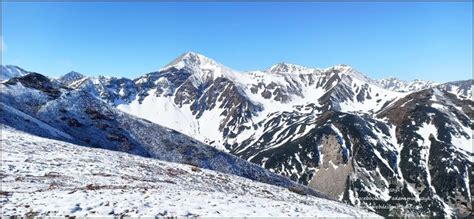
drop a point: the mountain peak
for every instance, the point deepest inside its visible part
(395, 84)
(190, 59)
(391, 78)
(284, 67)
(202, 68)
(343, 67)
(73, 73)
(191, 53)
(192, 56)
(71, 77)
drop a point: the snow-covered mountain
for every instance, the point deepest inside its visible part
(70, 78)
(394, 147)
(284, 67)
(38, 105)
(44, 177)
(396, 84)
(222, 107)
(10, 71)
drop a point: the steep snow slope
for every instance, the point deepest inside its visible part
(44, 177)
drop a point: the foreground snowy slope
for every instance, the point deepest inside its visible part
(41, 177)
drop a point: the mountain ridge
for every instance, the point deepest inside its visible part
(198, 56)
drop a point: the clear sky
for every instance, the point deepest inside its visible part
(408, 40)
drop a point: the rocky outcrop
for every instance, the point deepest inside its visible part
(332, 174)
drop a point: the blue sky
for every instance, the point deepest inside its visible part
(407, 40)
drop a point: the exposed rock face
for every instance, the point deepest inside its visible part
(39, 82)
(436, 134)
(334, 170)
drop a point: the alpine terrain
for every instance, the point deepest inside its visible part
(49, 177)
(393, 147)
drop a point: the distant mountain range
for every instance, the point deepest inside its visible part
(390, 146)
